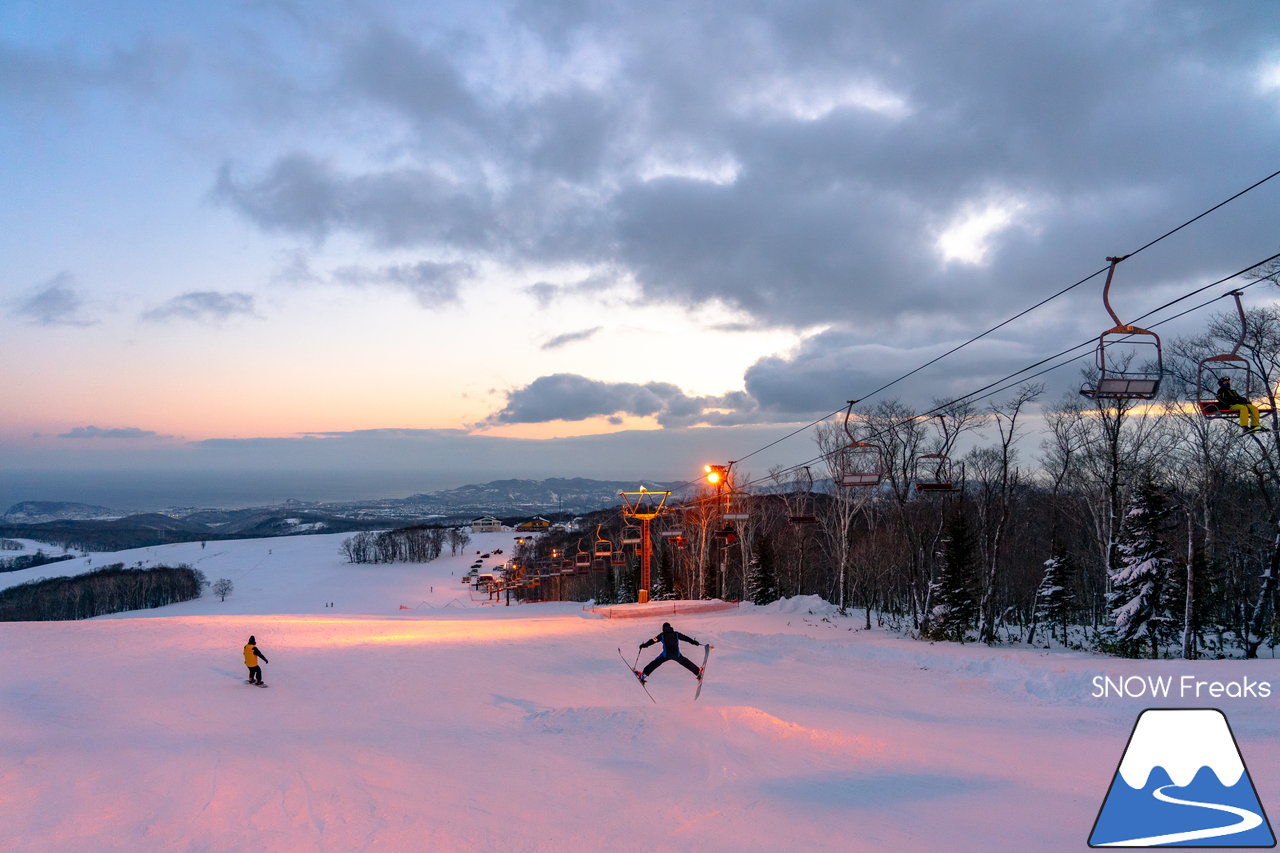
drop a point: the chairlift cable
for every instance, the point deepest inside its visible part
(972, 396)
(1026, 311)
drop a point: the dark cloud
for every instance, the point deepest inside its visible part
(204, 306)
(57, 302)
(118, 432)
(804, 173)
(304, 195)
(571, 338)
(571, 397)
(803, 164)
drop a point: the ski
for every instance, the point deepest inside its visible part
(631, 670)
(705, 654)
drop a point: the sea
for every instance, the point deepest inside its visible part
(151, 491)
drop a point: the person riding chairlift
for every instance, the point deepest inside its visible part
(1230, 399)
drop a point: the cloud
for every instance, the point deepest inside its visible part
(571, 338)
(394, 208)
(50, 80)
(118, 432)
(571, 397)
(55, 303)
(204, 305)
(430, 282)
(453, 457)
(900, 183)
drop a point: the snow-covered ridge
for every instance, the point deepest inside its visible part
(1182, 742)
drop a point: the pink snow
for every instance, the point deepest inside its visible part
(462, 726)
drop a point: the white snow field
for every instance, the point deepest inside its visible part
(457, 726)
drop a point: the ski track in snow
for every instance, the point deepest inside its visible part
(458, 726)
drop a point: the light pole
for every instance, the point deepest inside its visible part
(721, 476)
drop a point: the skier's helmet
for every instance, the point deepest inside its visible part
(251, 639)
(666, 626)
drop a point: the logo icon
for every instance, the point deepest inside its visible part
(1181, 783)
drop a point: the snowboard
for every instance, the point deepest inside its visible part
(637, 677)
(705, 654)
(255, 684)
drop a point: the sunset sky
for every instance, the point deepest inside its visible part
(400, 234)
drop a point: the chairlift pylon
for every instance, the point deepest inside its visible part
(1129, 358)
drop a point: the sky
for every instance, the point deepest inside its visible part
(529, 237)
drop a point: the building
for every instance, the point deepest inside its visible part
(537, 524)
(486, 524)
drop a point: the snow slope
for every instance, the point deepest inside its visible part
(468, 727)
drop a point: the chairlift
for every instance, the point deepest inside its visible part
(1129, 358)
(1229, 366)
(675, 535)
(935, 472)
(631, 535)
(861, 463)
(802, 513)
(728, 534)
(618, 559)
(603, 547)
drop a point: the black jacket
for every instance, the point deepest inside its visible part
(670, 638)
(1228, 396)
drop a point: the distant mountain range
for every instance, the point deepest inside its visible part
(98, 528)
(500, 497)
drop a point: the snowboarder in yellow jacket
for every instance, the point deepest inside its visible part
(252, 654)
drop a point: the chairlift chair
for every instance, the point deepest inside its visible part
(1228, 365)
(603, 547)
(861, 462)
(1129, 358)
(802, 513)
(935, 472)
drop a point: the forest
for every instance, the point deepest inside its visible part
(1142, 528)
(110, 589)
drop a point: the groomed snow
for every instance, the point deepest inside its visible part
(460, 726)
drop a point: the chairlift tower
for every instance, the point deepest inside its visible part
(644, 506)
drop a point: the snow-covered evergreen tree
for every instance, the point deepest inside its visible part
(1137, 600)
(1056, 598)
(762, 579)
(953, 593)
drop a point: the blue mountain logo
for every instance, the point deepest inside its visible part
(1182, 783)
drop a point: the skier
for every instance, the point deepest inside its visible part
(251, 656)
(1230, 399)
(670, 639)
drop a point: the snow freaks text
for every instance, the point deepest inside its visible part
(1177, 687)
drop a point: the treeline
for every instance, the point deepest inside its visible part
(418, 544)
(1140, 528)
(31, 561)
(111, 589)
